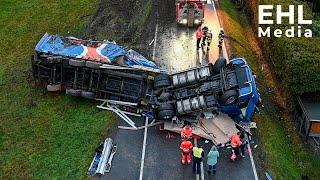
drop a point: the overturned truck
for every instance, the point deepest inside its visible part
(103, 70)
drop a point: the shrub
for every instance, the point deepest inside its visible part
(296, 61)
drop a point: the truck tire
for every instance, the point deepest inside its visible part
(54, 87)
(73, 92)
(166, 114)
(87, 94)
(93, 65)
(161, 76)
(229, 97)
(167, 106)
(162, 83)
(76, 63)
(218, 65)
(161, 80)
(164, 97)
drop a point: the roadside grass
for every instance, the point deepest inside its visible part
(43, 136)
(145, 15)
(285, 155)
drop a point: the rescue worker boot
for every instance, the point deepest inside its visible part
(233, 156)
(189, 158)
(183, 158)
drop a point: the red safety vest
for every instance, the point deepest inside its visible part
(186, 132)
(186, 146)
(199, 34)
(235, 140)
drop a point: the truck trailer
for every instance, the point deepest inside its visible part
(103, 70)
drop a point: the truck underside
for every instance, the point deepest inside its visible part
(187, 95)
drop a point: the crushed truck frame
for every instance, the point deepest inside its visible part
(145, 89)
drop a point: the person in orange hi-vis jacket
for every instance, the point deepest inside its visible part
(199, 35)
(186, 132)
(235, 144)
(186, 147)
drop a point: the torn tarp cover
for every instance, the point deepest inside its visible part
(100, 51)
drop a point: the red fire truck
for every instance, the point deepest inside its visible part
(190, 12)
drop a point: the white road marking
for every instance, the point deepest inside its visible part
(202, 170)
(155, 43)
(225, 52)
(143, 149)
(224, 45)
(252, 163)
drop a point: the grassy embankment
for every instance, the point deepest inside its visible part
(283, 153)
(43, 136)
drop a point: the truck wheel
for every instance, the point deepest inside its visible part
(229, 97)
(162, 83)
(93, 65)
(87, 94)
(160, 77)
(164, 97)
(76, 63)
(167, 106)
(53, 87)
(218, 65)
(162, 80)
(73, 92)
(166, 114)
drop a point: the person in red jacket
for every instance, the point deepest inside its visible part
(186, 147)
(235, 144)
(199, 35)
(186, 132)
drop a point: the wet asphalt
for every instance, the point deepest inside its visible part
(175, 51)
(176, 44)
(127, 160)
(162, 158)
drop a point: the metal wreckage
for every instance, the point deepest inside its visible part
(129, 84)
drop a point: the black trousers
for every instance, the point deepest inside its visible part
(236, 150)
(198, 42)
(196, 165)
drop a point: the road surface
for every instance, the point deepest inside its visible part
(174, 48)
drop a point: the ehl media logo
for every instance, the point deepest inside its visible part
(265, 11)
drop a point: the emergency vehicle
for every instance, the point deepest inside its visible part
(190, 12)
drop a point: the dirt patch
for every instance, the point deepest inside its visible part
(121, 20)
(130, 22)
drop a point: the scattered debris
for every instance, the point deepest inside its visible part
(268, 176)
(269, 90)
(151, 42)
(101, 162)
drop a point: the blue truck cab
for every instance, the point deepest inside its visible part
(249, 97)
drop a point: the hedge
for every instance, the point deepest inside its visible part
(296, 61)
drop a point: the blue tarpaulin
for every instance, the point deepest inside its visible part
(101, 51)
